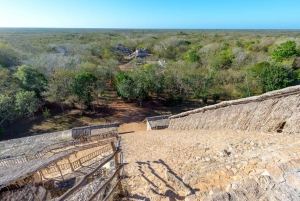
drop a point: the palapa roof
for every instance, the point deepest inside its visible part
(31, 145)
(9, 174)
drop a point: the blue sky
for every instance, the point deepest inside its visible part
(160, 14)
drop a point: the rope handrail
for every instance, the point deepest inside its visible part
(84, 178)
(106, 183)
(112, 190)
(76, 164)
(117, 173)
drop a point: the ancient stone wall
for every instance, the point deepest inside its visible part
(274, 111)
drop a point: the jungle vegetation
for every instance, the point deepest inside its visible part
(67, 66)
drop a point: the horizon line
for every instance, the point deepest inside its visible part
(148, 28)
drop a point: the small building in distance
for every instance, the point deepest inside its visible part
(123, 49)
(141, 52)
(157, 122)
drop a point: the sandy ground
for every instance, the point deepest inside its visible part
(132, 127)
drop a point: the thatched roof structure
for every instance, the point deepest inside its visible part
(32, 144)
(157, 122)
(274, 111)
(9, 174)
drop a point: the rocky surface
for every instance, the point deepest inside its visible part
(212, 165)
(27, 193)
(276, 111)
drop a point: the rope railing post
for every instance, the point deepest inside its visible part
(72, 168)
(99, 191)
(61, 174)
(83, 179)
(112, 190)
(117, 166)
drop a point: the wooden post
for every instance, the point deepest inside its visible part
(26, 157)
(60, 171)
(80, 162)
(117, 166)
(41, 175)
(70, 164)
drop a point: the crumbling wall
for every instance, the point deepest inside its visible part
(277, 111)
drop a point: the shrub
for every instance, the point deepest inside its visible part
(84, 86)
(223, 60)
(285, 51)
(46, 113)
(170, 101)
(215, 97)
(27, 103)
(179, 99)
(204, 97)
(272, 77)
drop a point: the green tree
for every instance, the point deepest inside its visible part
(285, 50)
(31, 79)
(154, 78)
(134, 86)
(226, 59)
(272, 77)
(119, 77)
(8, 85)
(59, 86)
(140, 84)
(84, 86)
(103, 75)
(7, 109)
(125, 89)
(194, 82)
(223, 60)
(8, 55)
(27, 103)
(191, 55)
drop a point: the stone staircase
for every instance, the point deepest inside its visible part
(212, 165)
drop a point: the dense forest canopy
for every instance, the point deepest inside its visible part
(79, 65)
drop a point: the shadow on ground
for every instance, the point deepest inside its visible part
(172, 188)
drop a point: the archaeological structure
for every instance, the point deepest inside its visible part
(246, 149)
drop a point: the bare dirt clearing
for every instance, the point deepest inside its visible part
(108, 111)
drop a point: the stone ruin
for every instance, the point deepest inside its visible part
(247, 149)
